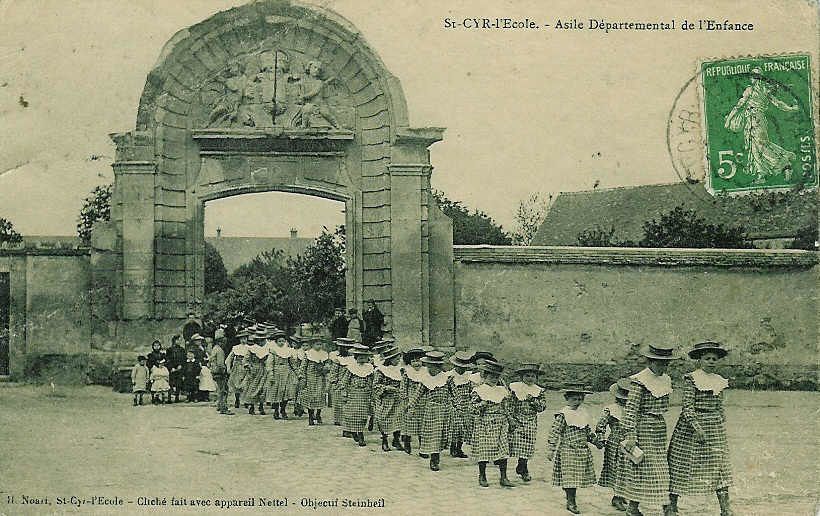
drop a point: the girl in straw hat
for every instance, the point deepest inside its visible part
(491, 405)
(434, 397)
(312, 379)
(461, 416)
(281, 375)
(253, 391)
(527, 401)
(568, 447)
(644, 426)
(698, 453)
(336, 376)
(613, 457)
(357, 387)
(411, 420)
(386, 390)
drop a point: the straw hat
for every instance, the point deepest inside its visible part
(433, 358)
(528, 368)
(702, 347)
(620, 389)
(576, 388)
(660, 352)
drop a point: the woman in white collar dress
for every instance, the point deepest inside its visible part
(644, 426)
(698, 453)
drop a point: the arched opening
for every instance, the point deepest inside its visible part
(274, 255)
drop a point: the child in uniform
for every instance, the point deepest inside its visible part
(236, 368)
(698, 453)
(139, 379)
(279, 370)
(386, 387)
(491, 406)
(253, 391)
(613, 456)
(411, 420)
(190, 377)
(312, 379)
(297, 357)
(434, 397)
(568, 450)
(644, 426)
(338, 374)
(160, 382)
(461, 416)
(527, 401)
(357, 387)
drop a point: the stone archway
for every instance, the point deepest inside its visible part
(276, 95)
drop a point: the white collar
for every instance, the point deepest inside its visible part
(476, 377)
(360, 370)
(578, 418)
(433, 382)
(615, 411)
(391, 371)
(316, 356)
(709, 381)
(333, 356)
(377, 360)
(240, 350)
(414, 374)
(658, 386)
(494, 393)
(461, 379)
(521, 390)
(259, 351)
(283, 351)
(345, 360)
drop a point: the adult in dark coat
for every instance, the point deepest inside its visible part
(174, 360)
(373, 322)
(338, 327)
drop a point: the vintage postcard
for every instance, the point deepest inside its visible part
(409, 257)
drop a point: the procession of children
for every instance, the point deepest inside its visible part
(422, 399)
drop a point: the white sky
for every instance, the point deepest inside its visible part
(525, 111)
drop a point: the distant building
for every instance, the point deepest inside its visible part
(770, 219)
(236, 251)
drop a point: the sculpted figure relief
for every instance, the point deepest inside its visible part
(265, 91)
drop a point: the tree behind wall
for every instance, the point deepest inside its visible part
(529, 216)
(471, 227)
(7, 232)
(216, 276)
(97, 206)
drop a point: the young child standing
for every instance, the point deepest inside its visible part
(493, 420)
(568, 450)
(613, 456)
(386, 390)
(139, 379)
(312, 379)
(358, 389)
(411, 420)
(434, 396)
(461, 417)
(527, 401)
(279, 389)
(253, 391)
(160, 382)
(236, 368)
(338, 371)
(207, 385)
(698, 453)
(190, 377)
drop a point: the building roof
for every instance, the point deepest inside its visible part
(236, 251)
(763, 215)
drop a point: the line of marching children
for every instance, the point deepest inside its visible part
(411, 400)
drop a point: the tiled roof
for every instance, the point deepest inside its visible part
(762, 215)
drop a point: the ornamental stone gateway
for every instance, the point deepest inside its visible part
(273, 96)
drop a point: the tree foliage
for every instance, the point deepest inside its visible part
(97, 206)
(807, 237)
(529, 216)
(287, 291)
(471, 227)
(679, 227)
(216, 276)
(7, 232)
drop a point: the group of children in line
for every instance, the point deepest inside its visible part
(409, 398)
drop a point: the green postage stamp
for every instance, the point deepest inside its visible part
(758, 123)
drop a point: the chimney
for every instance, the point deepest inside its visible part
(293, 233)
(218, 232)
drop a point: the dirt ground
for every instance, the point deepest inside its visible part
(90, 442)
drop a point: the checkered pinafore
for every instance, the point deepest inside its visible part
(356, 411)
(461, 417)
(613, 456)
(572, 460)
(491, 439)
(411, 422)
(647, 482)
(313, 393)
(522, 439)
(699, 468)
(388, 405)
(339, 377)
(435, 419)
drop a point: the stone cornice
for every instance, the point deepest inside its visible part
(420, 136)
(409, 169)
(636, 256)
(134, 167)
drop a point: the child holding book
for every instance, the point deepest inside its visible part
(613, 455)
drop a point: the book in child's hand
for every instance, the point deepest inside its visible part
(636, 455)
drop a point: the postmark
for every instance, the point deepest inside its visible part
(757, 123)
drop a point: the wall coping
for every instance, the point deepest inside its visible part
(666, 257)
(44, 251)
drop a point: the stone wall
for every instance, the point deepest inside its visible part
(576, 307)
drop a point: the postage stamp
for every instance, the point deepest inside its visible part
(758, 124)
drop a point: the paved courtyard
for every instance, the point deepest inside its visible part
(87, 442)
